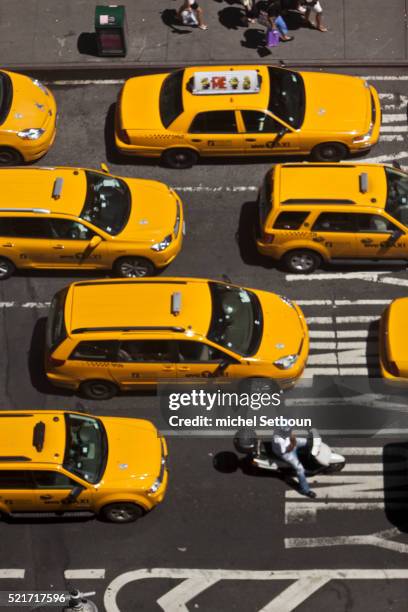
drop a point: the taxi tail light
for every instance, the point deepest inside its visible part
(393, 368)
(123, 135)
(268, 238)
(55, 363)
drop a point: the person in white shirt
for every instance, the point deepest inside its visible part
(193, 7)
(285, 445)
(307, 7)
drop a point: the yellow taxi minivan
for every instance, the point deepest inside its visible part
(105, 336)
(393, 338)
(245, 110)
(65, 462)
(28, 115)
(79, 219)
(314, 213)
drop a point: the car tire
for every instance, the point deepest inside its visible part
(98, 389)
(121, 512)
(7, 268)
(134, 267)
(259, 385)
(179, 159)
(10, 157)
(329, 152)
(301, 261)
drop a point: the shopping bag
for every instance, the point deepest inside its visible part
(272, 38)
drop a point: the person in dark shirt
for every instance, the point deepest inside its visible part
(269, 15)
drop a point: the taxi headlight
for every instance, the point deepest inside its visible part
(155, 486)
(364, 137)
(41, 86)
(284, 363)
(177, 223)
(287, 301)
(31, 133)
(161, 246)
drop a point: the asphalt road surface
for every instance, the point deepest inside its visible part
(223, 540)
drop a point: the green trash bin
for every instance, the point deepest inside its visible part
(111, 29)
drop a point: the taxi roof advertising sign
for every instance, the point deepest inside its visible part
(226, 82)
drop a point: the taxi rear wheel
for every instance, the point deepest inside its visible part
(179, 158)
(7, 268)
(10, 157)
(98, 389)
(134, 267)
(329, 152)
(301, 261)
(122, 512)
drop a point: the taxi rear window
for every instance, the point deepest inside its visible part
(6, 96)
(171, 98)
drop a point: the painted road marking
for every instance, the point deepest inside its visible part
(305, 583)
(373, 277)
(84, 574)
(12, 573)
(380, 539)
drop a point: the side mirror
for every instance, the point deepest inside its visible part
(74, 494)
(104, 168)
(226, 278)
(396, 164)
(396, 235)
(282, 131)
(94, 241)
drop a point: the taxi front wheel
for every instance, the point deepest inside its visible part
(179, 158)
(133, 267)
(7, 268)
(301, 261)
(10, 157)
(98, 389)
(122, 512)
(329, 152)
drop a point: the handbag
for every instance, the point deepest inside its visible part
(272, 38)
(189, 18)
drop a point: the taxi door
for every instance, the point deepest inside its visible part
(55, 491)
(25, 240)
(143, 361)
(73, 244)
(198, 359)
(216, 133)
(16, 491)
(378, 237)
(264, 134)
(336, 233)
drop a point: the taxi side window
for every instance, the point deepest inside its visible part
(15, 479)
(375, 223)
(47, 479)
(98, 350)
(214, 122)
(256, 121)
(191, 351)
(65, 229)
(290, 219)
(146, 351)
(335, 222)
(25, 227)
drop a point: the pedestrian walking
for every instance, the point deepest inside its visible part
(307, 7)
(249, 6)
(269, 15)
(190, 13)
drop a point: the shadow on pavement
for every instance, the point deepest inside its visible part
(395, 462)
(169, 18)
(232, 18)
(87, 43)
(245, 238)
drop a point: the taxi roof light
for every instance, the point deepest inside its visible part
(176, 303)
(38, 436)
(226, 82)
(363, 182)
(57, 188)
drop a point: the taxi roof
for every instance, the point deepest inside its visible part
(17, 437)
(223, 101)
(332, 183)
(33, 188)
(120, 305)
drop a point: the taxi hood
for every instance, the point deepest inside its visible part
(153, 212)
(283, 332)
(336, 103)
(134, 453)
(30, 106)
(139, 103)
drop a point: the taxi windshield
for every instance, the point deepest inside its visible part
(86, 449)
(236, 321)
(6, 95)
(171, 98)
(287, 96)
(107, 203)
(397, 195)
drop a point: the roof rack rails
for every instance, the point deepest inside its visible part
(84, 330)
(11, 458)
(43, 211)
(317, 201)
(126, 281)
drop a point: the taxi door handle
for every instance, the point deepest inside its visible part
(45, 496)
(8, 244)
(58, 247)
(169, 367)
(184, 368)
(318, 239)
(250, 139)
(196, 140)
(366, 240)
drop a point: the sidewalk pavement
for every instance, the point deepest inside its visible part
(41, 32)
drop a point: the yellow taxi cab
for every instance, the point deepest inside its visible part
(106, 336)
(65, 462)
(245, 110)
(314, 213)
(74, 218)
(394, 341)
(28, 115)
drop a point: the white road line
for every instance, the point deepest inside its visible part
(86, 82)
(214, 189)
(381, 539)
(314, 302)
(375, 467)
(313, 333)
(357, 319)
(310, 372)
(371, 347)
(391, 138)
(393, 77)
(320, 320)
(322, 345)
(368, 276)
(361, 302)
(337, 371)
(383, 159)
(367, 451)
(394, 117)
(12, 573)
(176, 599)
(357, 333)
(84, 574)
(401, 282)
(393, 128)
(295, 594)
